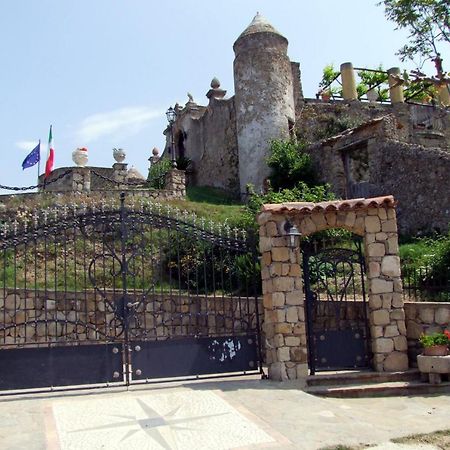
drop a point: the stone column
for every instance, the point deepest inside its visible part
(348, 82)
(81, 179)
(395, 89)
(386, 312)
(176, 183)
(120, 174)
(444, 95)
(283, 299)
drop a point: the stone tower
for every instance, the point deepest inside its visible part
(264, 97)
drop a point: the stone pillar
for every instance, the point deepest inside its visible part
(348, 82)
(444, 95)
(386, 312)
(81, 179)
(395, 88)
(120, 173)
(283, 299)
(176, 183)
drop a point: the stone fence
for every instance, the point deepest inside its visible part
(37, 317)
(175, 189)
(34, 317)
(422, 318)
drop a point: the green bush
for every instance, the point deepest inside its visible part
(290, 165)
(426, 265)
(183, 162)
(204, 267)
(157, 174)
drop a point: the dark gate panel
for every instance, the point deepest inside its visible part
(26, 368)
(193, 356)
(338, 332)
(80, 287)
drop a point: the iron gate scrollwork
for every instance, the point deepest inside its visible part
(336, 310)
(123, 294)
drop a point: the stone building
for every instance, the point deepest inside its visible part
(228, 139)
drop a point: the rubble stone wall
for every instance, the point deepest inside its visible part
(424, 318)
(38, 316)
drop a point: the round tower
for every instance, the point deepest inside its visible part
(264, 97)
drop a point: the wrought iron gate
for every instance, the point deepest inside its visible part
(120, 294)
(336, 310)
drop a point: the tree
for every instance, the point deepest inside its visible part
(428, 23)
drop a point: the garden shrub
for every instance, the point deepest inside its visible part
(157, 173)
(290, 165)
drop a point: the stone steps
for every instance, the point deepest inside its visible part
(360, 377)
(372, 384)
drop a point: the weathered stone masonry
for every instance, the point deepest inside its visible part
(284, 302)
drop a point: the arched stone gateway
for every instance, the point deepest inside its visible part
(373, 219)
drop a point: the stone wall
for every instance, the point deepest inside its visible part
(420, 124)
(208, 137)
(35, 316)
(374, 160)
(175, 189)
(424, 318)
(419, 179)
(80, 179)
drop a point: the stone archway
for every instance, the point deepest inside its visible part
(284, 303)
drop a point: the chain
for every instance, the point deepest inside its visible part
(123, 183)
(40, 185)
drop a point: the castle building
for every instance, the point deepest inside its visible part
(362, 148)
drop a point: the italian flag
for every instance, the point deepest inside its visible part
(50, 154)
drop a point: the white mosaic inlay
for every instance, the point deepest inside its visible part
(168, 420)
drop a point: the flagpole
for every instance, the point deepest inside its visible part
(39, 162)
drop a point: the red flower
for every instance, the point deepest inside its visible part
(447, 333)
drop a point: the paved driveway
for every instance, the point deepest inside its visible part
(243, 413)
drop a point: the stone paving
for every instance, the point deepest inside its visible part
(225, 414)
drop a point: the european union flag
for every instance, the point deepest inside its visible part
(33, 157)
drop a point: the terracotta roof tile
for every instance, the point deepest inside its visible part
(335, 205)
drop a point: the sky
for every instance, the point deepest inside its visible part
(103, 72)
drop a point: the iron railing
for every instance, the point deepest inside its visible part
(425, 283)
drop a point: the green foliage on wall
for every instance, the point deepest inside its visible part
(290, 165)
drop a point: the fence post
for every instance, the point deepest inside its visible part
(176, 182)
(395, 88)
(348, 82)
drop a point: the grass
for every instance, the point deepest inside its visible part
(212, 204)
(440, 439)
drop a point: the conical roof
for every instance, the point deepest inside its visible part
(259, 24)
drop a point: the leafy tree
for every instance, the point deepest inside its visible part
(290, 165)
(428, 23)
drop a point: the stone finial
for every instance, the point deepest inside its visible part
(119, 154)
(215, 91)
(80, 156)
(190, 98)
(155, 151)
(215, 83)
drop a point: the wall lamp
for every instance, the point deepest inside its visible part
(293, 234)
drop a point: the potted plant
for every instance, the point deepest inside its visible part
(435, 344)
(329, 75)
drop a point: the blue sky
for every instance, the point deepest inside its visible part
(103, 72)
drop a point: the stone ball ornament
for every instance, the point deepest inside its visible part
(119, 154)
(80, 156)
